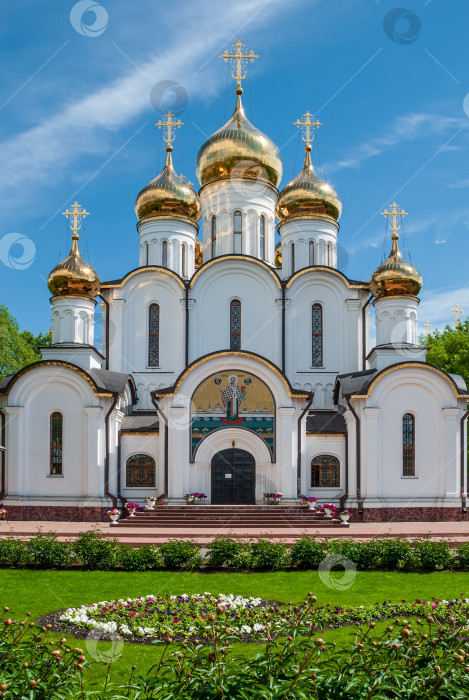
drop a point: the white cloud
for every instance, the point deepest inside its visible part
(435, 306)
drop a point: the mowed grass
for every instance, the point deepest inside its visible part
(41, 592)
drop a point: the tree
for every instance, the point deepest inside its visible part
(449, 349)
(17, 348)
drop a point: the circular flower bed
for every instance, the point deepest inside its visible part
(200, 616)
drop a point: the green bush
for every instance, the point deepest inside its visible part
(434, 554)
(269, 555)
(47, 552)
(242, 560)
(461, 555)
(307, 553)
(147, 558)
(13, 552)
(94, 552)
(182, 554)
(222, 550)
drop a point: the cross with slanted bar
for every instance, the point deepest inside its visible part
(457, 311)
(75, 216)
(308, 127)
(168, 126)
(394, 213)
(427, 325)
(241, 59)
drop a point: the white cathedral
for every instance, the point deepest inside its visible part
(233, 367)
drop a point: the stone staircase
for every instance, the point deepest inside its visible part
(232, 516)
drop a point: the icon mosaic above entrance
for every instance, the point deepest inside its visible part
(233, 399)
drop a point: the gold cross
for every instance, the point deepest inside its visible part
(394, 213)
(308, 126)
(427, 325)
(76, 215)
(168, 126)
(241, 59)
(457, 311)
(186, 182)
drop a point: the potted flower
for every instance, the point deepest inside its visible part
(114, 514)
(330, 510)
(3, 512)
(269, 498)
(160, 502)
(150, 501)
(189, 498)
(277, 497)
(199, 496)
(310, 502)
(132, 508)
(345, 516)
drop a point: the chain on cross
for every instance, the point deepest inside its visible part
(75, 216)
(394, 214)
(309, 125)
(168, 125)
(240, 57)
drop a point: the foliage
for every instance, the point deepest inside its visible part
(307, 553)
(94, 552)
(449, 349)
(46, 551)
(222, 550)
(17, 348)
(13, 552)
(178, 554)
(145, 558)
(269, 555)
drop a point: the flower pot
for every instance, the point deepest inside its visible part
(190, 501)
(151, 503)
(132, 512)
(327, 513)
(114, 518)
(277, 501)
(344, 517)
(312, 506)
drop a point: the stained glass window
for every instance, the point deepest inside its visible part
(316, 336)
(140, 471)
(237, 232)
(311, 252)
(154, 335)
(214, 236)
(235, 325)
(408, 445)
(56, 446)
(292, 251)
(164, 254)
(183, 260)
(325, 472)
(262, 238)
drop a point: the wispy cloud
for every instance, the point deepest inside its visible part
(435, 306)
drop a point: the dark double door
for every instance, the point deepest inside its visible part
(233, 478)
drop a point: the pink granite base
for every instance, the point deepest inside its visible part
(418, 515)
(58, 513)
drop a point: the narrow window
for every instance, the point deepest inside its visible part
(311, 252)
(146, 253)
(164, 255)
(56, 443)
(235, 325)
(214, 237)
(140, 471)
(154, 335)
(292, 249)
(316, 335)
(183, 260)
(237, 232)
(408, 445)
(262, 238)
(328, 254)
(325, 472)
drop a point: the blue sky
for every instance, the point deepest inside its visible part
(388, 83)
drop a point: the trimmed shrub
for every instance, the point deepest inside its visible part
(269, 555)
(434, 554)
(94, 552)
(180, 554)
(307, 553)
(222, 550)
(13, 552)
(145, 558)
(47, 552)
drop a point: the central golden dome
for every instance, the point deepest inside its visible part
(307, 196)
(238, 149)
(73, 277)
(395, 277)
(167, 196)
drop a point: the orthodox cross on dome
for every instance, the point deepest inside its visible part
(168, 125)
(427, 325)
(240, 57)
(457, 311)
(75, 217)
(183, 179)
(309, 124)
(395, 214)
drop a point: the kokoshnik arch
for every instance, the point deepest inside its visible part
(231, 365)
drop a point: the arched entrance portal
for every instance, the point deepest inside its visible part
(233, 478)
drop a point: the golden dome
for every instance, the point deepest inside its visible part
(239, 150)
(73, 277)
(395, 277)
(308, 197)
(278, 254)
(168, 197)
(199, 253)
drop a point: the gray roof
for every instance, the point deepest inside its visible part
(319, 422)
(142, 422)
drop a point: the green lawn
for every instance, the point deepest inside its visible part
(40, 592)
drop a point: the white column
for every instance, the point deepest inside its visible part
(352, 452)
(450, 467)
(92, 474)
(15, 454)
(178, 451)
(370, 487)
(352, 355)
(287, 445)
(115, 341)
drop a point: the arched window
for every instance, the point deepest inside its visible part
(262, 237)
(183, 259)
(235, 325)
(316, 336)
(325, 472)
(311, 252)
(213, 240)
(292, 256)
(56, 443)
(140, 471)
(408, 445)
(237, 232)
(164, 254)
(146, 253)
(154, 335)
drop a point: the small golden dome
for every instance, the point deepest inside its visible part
(73, 277)
(168, 197)
(199, 253)
(308, 197)
(395, 277)
(278, 254)
(239, 150)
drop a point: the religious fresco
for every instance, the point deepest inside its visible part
(232, 399)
